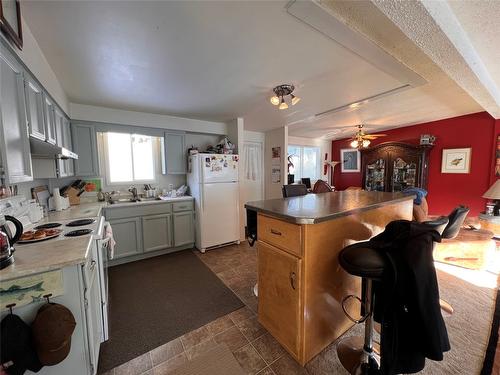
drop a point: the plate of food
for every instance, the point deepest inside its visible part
(31, 236)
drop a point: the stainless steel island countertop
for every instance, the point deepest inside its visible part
(316, 208)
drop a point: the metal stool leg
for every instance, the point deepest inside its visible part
(357, 359)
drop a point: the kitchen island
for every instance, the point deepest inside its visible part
(301, 284)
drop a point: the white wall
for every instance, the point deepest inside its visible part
(33, 58)
(235, 134)
(150, 120)
(324, 145)
(275, 138)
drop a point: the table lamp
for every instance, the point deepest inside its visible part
(494, 194)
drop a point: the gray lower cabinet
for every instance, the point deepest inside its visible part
(128, 236)
(141, 230)
(15, 157)
(157, 232)
(183, 228)
(85, 145)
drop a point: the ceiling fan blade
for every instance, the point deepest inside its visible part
(374, 136)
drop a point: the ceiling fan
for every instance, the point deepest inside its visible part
(363, 140)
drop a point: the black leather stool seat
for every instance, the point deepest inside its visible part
(363, 262)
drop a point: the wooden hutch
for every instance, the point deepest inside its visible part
(394, 166)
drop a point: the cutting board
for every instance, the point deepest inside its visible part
(41, 194)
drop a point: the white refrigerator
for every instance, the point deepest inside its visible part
(213, 182)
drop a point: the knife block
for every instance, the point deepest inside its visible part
(72, 195)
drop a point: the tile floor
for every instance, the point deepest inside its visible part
(253, 347)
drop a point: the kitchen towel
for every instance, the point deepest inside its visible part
(251, 157)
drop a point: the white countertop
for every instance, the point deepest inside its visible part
(56, 254)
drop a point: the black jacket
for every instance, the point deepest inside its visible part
(406, 302)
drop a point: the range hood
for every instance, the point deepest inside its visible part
(44, 150)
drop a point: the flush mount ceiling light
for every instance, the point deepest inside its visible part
(280, 93)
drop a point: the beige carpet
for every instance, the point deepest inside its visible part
(468, 328)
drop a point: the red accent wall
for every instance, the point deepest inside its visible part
(445, 190)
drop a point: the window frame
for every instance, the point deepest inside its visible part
(301, 160)
(154, 151)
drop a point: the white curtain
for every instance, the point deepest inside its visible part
(251, 158)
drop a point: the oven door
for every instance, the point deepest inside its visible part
(102, 256)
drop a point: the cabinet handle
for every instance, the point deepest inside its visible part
(293, 279)
(92, 265)
(274, 231)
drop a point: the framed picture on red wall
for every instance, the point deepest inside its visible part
(456, 160)
(350, 160)
(497, 158)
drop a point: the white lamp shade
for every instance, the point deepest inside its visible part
(494, 191)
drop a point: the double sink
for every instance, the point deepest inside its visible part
(132, 200)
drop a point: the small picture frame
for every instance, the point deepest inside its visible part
(350, 160)
(456, 160)
(10, 21)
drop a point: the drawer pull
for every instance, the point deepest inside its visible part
(293, 279)
(276, 232)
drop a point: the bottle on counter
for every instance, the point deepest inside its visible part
(58, 203)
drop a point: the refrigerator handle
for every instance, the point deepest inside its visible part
(202, 196)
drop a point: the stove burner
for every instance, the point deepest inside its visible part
(48, 226)
(78, 232)
(78, 223)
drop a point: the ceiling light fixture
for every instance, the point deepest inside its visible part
(362, 140)
(282, 91)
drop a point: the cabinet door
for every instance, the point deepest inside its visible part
(34, 105)
(279, 295)
(58, 121)
(49, 118)
(66, 130)
(157, 232)
(183, 228)
(15, 157)
(175, 154)
(85, 145)
(127, 234)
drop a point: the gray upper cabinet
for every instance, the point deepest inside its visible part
(49, 118)
(183, 228)
(174, 157)
(156, 231)
(59, 124)
(85, 145)
(34, 105)
(15, 157)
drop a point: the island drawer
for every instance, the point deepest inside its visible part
(284, 235)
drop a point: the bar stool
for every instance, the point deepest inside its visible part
(369, 264)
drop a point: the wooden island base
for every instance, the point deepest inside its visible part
(301, 284)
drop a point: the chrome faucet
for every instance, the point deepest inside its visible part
(133, 190)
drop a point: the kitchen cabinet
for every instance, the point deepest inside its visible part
(49, 119)
(128, 236)
(183, 228)
(174, 158)
(279, 295)
(15, 157)
(84, 138)
(34, 108)
(157, 232)
(394, 166)
(145, 230)
(65, 167)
